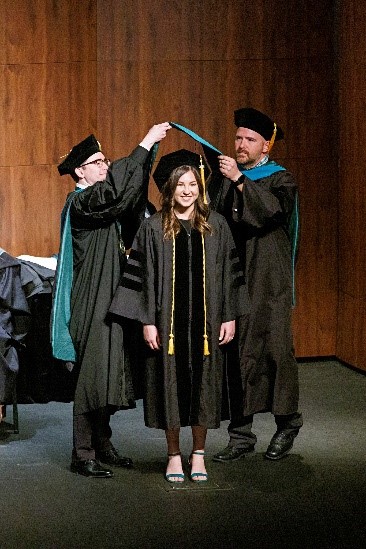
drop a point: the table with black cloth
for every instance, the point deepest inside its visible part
(28, 372)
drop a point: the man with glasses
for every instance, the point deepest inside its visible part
(92, 253)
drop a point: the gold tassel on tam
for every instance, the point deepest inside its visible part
(202, 174)
(273, 137)
(171, 335)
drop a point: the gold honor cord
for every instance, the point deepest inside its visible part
(171, 335)
(206, 351)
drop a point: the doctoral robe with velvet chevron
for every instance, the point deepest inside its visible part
(98, 215)
(184, 388)
(259, 217)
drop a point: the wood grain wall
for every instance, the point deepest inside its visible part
(115, 67)
(48, 102)
(351, 335)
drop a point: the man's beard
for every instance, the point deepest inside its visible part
(247, 163)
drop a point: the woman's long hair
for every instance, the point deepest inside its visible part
(171, 225)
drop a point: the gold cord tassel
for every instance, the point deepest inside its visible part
(273, 137)
(206, 350)
(171, 335)
(171, 344)
(202, 174)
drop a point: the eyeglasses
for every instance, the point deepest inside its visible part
(99, 162)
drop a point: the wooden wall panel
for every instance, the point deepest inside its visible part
(41, 121)
(30, 222)
(213, 30)
(48, 81)
(351, 335)
(40, 124)
(352, 215)
(47, 31)
(314, 317)
(179, 29)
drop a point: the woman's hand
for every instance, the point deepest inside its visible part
(227, 332)
(151, 336)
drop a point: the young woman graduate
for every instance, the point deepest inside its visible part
(184, 284)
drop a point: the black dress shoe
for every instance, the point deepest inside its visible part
(230, 453)
(112, 457)
(90, 468)
(280, 445)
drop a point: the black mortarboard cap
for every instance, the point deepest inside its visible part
(78, 154)
(169, 162)
(258, 122)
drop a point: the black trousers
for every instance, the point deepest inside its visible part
(91, 433)
(241, 435)
(240, 427)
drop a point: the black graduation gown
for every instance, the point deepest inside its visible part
(104, 371)
(184, 388)
(259, 219)
(14, 323)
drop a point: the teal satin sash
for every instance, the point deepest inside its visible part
(62, 345)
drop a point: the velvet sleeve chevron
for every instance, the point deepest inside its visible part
(235, 292)
(135, 296)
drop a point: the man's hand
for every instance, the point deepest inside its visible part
(151, 336)
(229, 167)
(227, 332)
(155, 134)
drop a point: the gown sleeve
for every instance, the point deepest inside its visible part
(118, 195)
(266, 203)
(135, 296)
(235, 301)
